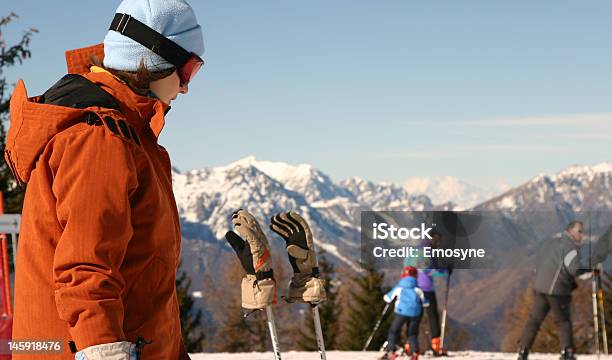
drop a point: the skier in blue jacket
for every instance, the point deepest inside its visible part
(408, 307)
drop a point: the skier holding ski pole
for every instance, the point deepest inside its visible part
(408, 309)
(305, 285)
(557, 267)
(428, 270)
(258, 284)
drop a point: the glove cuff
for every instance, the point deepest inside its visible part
(257, 294)
(306, 288)
(121, 350)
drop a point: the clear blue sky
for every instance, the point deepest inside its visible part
(487, 91)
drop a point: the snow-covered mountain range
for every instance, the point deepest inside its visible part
(207, 197)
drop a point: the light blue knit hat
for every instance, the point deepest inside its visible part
(174, 19)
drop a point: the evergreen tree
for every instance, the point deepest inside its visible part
(10, 55)
(232, 331)
(240, 334)
(364, 308)
(191, 327)
(328, 312)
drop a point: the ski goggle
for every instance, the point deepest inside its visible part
(187, 64)
(188, 71)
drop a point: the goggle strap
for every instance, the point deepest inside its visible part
(169, 50)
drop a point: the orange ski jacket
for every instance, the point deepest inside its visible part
(100, 234)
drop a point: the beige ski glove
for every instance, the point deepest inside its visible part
(251, 246)
(305, 285)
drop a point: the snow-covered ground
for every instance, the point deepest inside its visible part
(370, 355)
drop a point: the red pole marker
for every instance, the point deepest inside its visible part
(6, 290)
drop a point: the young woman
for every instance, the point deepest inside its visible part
(100, 234)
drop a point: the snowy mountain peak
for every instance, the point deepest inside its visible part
(283, 171)
(312, 183)
(444, 189)
(245, 161)
(206, 198)
(275, 169)
(585, 170)
(384, 196)
(576, 187)
(575, 174)
(602, 168)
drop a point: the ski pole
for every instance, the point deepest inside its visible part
(273, 335)
(380, 319)
(602, 314)
(444, 311)
(318, 331)
(6, 290)
(595, 315)
(594, 295)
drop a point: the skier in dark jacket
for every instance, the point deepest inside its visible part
(428, 270)
(408, 308)
(557, 267)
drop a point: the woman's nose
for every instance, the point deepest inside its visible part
(184, 89)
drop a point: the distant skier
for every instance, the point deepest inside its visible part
(557, 267)
(408, 308)
(428, 270)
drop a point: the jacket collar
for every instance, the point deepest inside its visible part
(569, 238)
(149, 111)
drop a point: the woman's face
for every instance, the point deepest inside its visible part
(168, 88)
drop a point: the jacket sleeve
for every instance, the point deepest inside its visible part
(572, 263)
(421, 296)
(602, 247)
(393, 294)
(94, 178)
